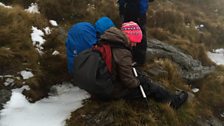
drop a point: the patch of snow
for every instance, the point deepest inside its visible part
(222, 115)
(37, 38)
(9, 81)
(33, 8)
(26, 74)
(217, 56)
(3, 5)
(55, 53)
(199, 27)
(219, 51)
(53, 23)
(195, 90)
(51, 111)
(8, 76)
(20, 90)
(47, 31)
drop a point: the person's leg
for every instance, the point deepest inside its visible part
(155, 91)
(139, 52)
(158, 93)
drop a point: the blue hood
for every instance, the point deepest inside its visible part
(81, 36)
(103, 24)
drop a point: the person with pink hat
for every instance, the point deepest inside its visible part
(136, 10)
(125, 83)
(133, 32)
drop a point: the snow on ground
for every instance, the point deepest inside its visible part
(33, 8)
(3, 5)
(52, 111)
(55, 53)
(26, 74)
(37, 38)
(217, 56)
(53, 23)
(47, 31)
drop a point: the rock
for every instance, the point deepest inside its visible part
(157, 71)
(4, 97)
(190, 68)
(210, 122)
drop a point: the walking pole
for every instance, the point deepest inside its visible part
(140, 86)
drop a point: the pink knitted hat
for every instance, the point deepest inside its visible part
(132, 31)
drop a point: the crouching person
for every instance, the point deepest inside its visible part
(81, 36)
(116, 80)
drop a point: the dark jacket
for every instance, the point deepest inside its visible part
(122, 62)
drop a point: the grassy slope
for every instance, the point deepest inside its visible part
(170, 21)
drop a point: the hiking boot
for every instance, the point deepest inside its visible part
(178, 99)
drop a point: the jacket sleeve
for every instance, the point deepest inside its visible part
(123, 61)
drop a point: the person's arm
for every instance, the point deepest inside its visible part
(123, 59)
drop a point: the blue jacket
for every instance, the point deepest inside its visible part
(81, 36)
(144, 4)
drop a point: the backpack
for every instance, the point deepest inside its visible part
(93, 73)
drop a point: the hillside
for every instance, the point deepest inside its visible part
(192, 26)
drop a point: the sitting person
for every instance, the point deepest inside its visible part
(76, 43)
(125, 85)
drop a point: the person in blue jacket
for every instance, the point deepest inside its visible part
(81, 36)
(135, 10)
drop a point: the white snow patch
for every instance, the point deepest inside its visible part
(217, 56)
(9, 81)
(3, 5)
(20, 90)
(26, 74)
(53, 23)
(33, 8)
(8, 76)
(222, 115)
(220, 51)
(199, 27)
(195, 90)
(55, 53)
(51, 111)
(37, 38)
(47, 31)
